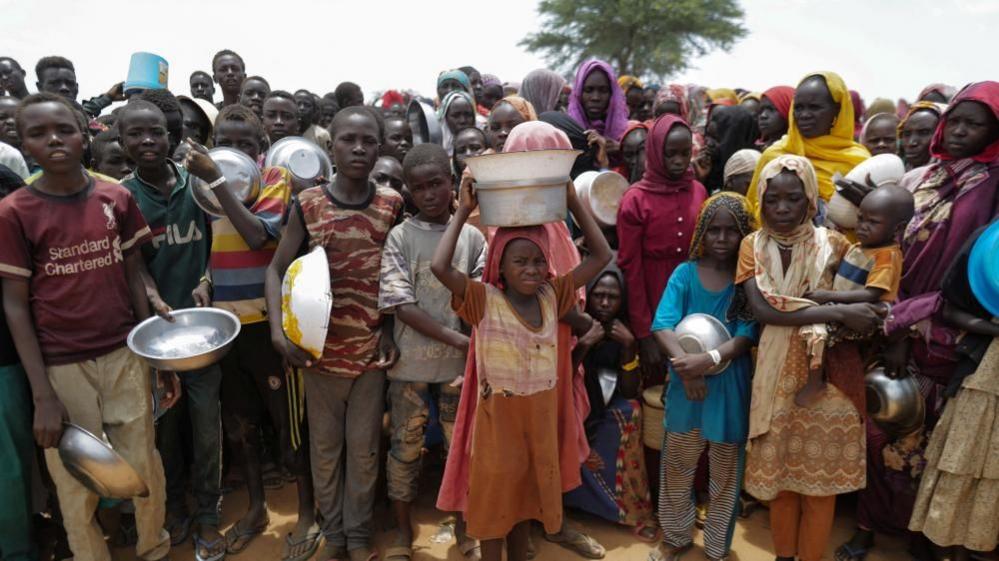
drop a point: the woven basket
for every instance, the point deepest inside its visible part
(652, 418)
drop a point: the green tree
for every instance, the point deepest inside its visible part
(648, 38)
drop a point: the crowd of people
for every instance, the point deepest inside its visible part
(524, 355)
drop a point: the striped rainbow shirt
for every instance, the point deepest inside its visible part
(237, 270)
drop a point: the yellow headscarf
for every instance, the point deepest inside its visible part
(627, 82)
(831, 153)
(719, 95)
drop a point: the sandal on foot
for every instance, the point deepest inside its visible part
(471, 549)
(239, 537)
(578, 542)
(399, 553)
(203, 549)
(302, 547)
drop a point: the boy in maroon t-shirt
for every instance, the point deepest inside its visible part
(72, 291)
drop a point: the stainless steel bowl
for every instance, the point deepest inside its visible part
(424, 124)
(700, 333)
(893, 404)
(302, 158)
(97, 466)
(198, 337)
(242, 177)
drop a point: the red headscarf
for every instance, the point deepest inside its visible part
(986, 93)
(781, 97)
(655, 178)
(391, 98)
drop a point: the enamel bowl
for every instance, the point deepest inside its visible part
(306, 300)
(601, 192)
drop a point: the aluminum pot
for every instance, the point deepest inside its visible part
(242, 177)
(95, 464)
(302, 158)
(195, 339)
(894, 404)
(700, 333)
(522, 188)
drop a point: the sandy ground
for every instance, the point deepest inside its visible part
(751, 542)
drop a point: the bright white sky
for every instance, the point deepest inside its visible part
(887, 48)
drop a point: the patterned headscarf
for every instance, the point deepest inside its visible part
(725, 200)
(676, 93)
(447, 135)
(937, 108)
(743, 161)
(627, 82)
(943, 89)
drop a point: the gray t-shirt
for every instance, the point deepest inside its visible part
(406, 279)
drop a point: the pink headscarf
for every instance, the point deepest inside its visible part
(676, 93)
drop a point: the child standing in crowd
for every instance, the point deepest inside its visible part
(350, 218)
(654, 226)
(108, 157)
(16, 445)
(253, 376)
(176, 260)
(870, 271)
(432, 341)
(514, 474)
(700, 408)
(72, 291)
(799, 458)
(228, 71)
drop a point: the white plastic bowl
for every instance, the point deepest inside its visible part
(883, 169)
(306, 300)
(601, 192)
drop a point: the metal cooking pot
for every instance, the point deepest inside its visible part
(197, 338)
(424, 124)
(700, 333)
(97, 466)
(895, 405)
(242, 177)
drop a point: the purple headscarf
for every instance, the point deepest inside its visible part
(616, 120)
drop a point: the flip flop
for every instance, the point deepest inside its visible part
(238, 538)
(304, 547)
(639, 533)
(850, 552)
(200, 544)
(578, 542)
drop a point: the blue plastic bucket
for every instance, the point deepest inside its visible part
(147, 71)
(983, 269)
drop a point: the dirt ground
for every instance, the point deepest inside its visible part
(751, 542)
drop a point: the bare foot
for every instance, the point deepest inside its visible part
(810, 394)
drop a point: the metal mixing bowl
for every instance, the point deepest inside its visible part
(700, 333)
(894, 404)
(242, 177)
(198, 337)
(302, 158)
(97, 466)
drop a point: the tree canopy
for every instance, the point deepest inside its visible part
(648, 38)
